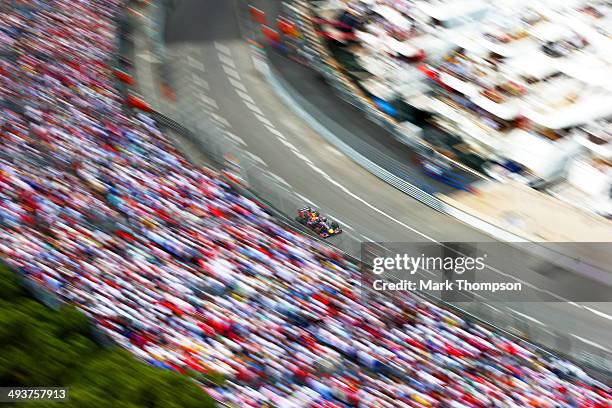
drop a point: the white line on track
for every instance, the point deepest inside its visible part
(245, 96)
(343, 224)
(219, 119)
(199, 82)
(195, 64)
(533, 319)
(227, 60)
(235, 138)
(256, 158)
(592, 343)
(275, 132)
(280, 179)
(254, 108)
(304, 158)
(598, 313)
(231, 72)
(237, 84)
(473, 293)
(288, 144)
(306, 200)
(222, 48)
(371, 241)
(206, 108)
(209, 101)
(263, 119)
(492, 307)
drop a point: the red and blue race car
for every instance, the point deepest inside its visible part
(311, 218)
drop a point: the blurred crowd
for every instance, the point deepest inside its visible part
(188, 274)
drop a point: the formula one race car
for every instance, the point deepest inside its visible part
(315, 221)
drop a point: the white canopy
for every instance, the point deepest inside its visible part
(392, 15)
(403, 48)
(535, 64)
(590, 70)
(604, 151)
(588, 108)
(464, 87)
(449, 10)
(506, 111)
(548, 31)
(586, 177)
(542, 156)
(372, 40)
(378, 88)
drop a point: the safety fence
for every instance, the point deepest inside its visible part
(226, 152)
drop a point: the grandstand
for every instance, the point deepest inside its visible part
(188, 274)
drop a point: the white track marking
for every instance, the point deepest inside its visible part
(257, 159)
(280, 179)
(492, 307)
(263, 119)
(195, 64)
(343, 224)
(235, 138)
(371, 241)
(209, 101)
(289, 145)
(231, 72)
(254, 108)
(245, 96)
(222, 48)
(227, 60)
(526, 316)
(237, 84)
(307, 200)
(304, 158)
(199, 82)
(598, 313)
(592, 343)
(219, 119)
(275, 132)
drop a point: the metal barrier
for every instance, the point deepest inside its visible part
(226, 153)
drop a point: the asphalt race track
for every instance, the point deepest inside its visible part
(364, 205)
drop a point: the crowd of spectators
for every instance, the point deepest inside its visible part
(178, 267)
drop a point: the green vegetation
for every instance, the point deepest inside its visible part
(44, 347)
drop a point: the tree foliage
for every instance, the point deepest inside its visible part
(44, 347)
